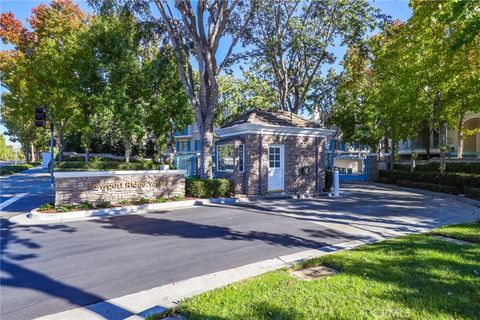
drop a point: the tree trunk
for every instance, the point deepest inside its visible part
(60, 144)
(127, 150)
(443, 146)
(171, 141)
(425, 136)
(460, 137)
(393, 149)
(26, 152)
(385, 144)
(87, 153)
(32, 152)
(206, 146)
(413, 154)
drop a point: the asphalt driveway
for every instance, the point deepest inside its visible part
(51, 268)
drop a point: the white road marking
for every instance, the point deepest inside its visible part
(12, 200)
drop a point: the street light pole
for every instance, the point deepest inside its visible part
(41, 121)
(52, 156)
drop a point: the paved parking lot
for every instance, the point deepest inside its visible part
(50, 268)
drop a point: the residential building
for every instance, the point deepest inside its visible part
(187, 141)
(471, 144)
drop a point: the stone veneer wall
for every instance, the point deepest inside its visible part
(299, 152)
(96, 187)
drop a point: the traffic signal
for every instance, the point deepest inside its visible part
(40, 117)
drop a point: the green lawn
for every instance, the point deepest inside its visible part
(465, 231)
(412, 277)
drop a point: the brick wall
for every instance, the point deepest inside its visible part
(115, 188)
(298, 152)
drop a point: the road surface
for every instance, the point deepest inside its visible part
(47, 269)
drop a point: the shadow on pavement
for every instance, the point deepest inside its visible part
(142, 224)
(16, 274)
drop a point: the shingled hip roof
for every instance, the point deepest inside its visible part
(271, 122)
(273, 118)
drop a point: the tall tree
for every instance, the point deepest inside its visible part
(413, 77)
(115, 53)
(168, 108)
(17, 118)
(195, 32)
(237, 96)
(293, 40)
(46, 52)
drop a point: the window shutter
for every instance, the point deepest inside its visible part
(188, 145)
(178, 145)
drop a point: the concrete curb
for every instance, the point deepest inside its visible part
(159, 299)
(36, 217)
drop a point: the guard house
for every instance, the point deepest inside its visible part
(272, 151)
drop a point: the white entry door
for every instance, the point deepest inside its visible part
(275, 167)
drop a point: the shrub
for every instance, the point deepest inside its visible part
(65, 207)
(208, 188)
(195, 187)
(11, 169)
(178, 197)
(217, 188)
(104, 204)
(161, 200)
(125, 202)
(450, 167)
(143, 200)
(454, 183)
(47, 206)
(85, 205)
(463, 167)
(105, 165)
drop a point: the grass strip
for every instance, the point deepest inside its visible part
(412, 277)
(464, 231)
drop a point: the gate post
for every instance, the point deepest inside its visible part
(372, 167)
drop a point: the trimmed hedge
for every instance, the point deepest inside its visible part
(453, 167)
(97, 159)
(104, 165)
(454, 183)
(208, 188)
(11, 169)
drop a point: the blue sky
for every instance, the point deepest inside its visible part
(398, 9)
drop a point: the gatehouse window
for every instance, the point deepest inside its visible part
(225, 156)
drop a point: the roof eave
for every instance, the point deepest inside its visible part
(255, 128)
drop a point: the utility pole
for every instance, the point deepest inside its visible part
(52, 155)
